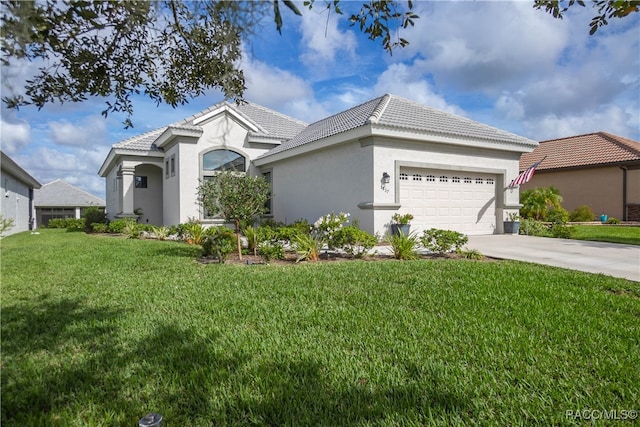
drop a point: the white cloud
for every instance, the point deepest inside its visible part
(408, 82)
(15, 134)
(90, 130)
(610, 119)
(323, 41)
(485, 46)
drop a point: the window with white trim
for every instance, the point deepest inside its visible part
(430, 178)
(490, 181)
(467, 180)
(479, 181)
(444, 178)
(417, 177)
(404, 177)
(220, 160)
(455, 179)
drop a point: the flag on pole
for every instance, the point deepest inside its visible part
(526, 175)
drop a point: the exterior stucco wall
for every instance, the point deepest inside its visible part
(222, 132)
(336, 179)
(149, 199)
(598, 188)
(633, 186)
(14, 203)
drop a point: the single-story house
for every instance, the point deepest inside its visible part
(17, 195)
(59, 199)
(384, 156)
(599, 170)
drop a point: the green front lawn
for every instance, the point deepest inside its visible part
(101, 330)
(629, 235)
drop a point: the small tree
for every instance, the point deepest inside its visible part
(237, 198)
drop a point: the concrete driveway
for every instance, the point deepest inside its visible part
(594, 257)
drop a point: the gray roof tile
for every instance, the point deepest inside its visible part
(395, 112)
(59, 193)
(276, 126)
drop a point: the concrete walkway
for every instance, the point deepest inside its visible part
(594, 257)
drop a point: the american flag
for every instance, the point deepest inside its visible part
(526, 175)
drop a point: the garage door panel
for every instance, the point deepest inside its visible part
(461, 201)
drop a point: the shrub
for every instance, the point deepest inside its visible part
(533, 227)
(613, 221)
(118, 225)
(131, 230)
(328, 225)
(251, 234)
(537, 202)
(288, 233)
(160, 233)
(93, 215)
(269, 251)
(57, 223)
(308, 246)
(442, 241)
(75, 224)
(193, 232)
(582, 214)
(354, 241)
(404, 246)
(558, 215)
(98, 227)
(5, 224)
(471, 254)
(218, 242)
(562, 231)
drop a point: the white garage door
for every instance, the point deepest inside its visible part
(449, 200)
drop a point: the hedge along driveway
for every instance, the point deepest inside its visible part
(103, 330)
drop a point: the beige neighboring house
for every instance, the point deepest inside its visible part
(17, 195)
(599, 170)
(383, 156)
(59, 199)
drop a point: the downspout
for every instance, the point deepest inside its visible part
(624, 192)
(31, 219)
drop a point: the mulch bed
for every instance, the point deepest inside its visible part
(290, 259)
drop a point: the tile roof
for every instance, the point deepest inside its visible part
(276, 126)
(59, 193)
(592, 149)
(395, 112)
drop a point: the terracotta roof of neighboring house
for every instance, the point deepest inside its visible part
(273, 125)
(59, 193)
(394, 112)
(592, 149)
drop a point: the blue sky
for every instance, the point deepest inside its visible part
(500, 63)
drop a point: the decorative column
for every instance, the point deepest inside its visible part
(127, 174)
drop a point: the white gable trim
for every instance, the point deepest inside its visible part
(226, 108)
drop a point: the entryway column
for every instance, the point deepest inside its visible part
(127, 190)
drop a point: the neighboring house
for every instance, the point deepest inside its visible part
(59, 199)
(17, 195)
(599, 170)
(384, 156)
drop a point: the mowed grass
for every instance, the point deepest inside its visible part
(629, 235)
(102, 330)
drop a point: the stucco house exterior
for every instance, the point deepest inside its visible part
(384, 156)
(17, 195)
(59, 199)
(598, 169)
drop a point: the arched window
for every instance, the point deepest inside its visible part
(223, 160)
(220, 160)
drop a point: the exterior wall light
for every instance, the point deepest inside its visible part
(386, 178)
